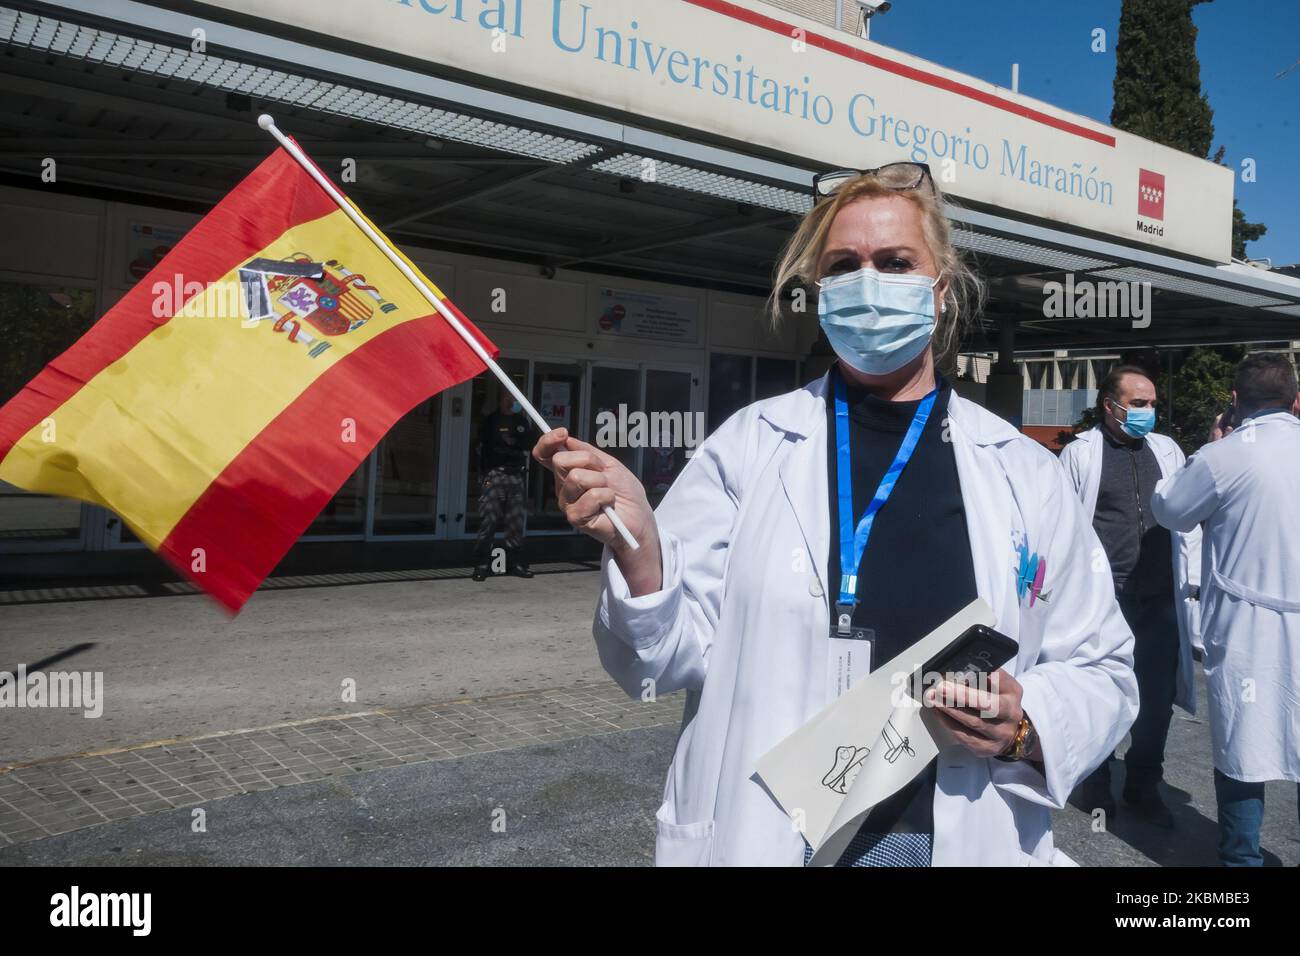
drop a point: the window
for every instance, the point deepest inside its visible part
(730, 386)
(406, 473)
(1100, 369)
(668, 400)
(775, 377)
(37, 323)
(738, 380)
(1039, 374)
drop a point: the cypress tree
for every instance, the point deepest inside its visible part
(1158, 77)
(1243, 231)
(1158, 88)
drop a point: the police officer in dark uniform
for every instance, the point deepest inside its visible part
(504, 444)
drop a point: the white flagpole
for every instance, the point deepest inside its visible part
(268, 124)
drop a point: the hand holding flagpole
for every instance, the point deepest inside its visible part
(292, 148)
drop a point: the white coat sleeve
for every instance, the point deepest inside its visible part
(1187, 497)
(1192, 537)
(1080, 692)
(1070, 463)
(665, 637)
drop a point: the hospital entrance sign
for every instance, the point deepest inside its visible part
(755, 74)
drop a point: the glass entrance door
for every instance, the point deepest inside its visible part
(485, 394)
(598, 403)
(668, 401)
(557, 394)
(406, 473)
(642, 416)
(615, 392)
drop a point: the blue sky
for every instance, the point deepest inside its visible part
(1242, 45)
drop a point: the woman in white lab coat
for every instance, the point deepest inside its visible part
(728, 595)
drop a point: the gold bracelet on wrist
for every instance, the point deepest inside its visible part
(1016, 749)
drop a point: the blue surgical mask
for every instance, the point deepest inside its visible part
(1137, 421)
(877, 323)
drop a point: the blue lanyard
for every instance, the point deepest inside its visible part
(854, 543)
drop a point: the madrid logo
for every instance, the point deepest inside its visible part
(1151, 202)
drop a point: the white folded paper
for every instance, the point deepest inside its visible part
(863, 747)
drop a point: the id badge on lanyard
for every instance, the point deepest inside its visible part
(850, 646)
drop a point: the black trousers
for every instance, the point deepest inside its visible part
(1154, 622)
(501, 502)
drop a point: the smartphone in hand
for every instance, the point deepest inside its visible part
(968, 660)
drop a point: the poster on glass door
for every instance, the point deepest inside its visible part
(556, 404)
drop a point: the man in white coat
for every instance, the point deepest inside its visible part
(1245, 488)
(1114, 468)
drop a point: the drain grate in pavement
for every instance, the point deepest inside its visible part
(89, 593)
(60, 794)
(102, 592)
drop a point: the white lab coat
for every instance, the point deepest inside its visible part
(741, 623)
(1246, 490)
(1082, 462)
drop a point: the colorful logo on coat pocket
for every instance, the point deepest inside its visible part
(1030, 574)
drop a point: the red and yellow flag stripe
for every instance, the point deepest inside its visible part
(218, 439)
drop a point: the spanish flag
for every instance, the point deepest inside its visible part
(223, 401)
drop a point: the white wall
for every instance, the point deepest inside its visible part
(87, 242)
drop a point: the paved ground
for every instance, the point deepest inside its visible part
(585, 800)
(285, 657)
(547, 762)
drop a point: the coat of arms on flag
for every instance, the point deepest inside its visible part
(309, 300)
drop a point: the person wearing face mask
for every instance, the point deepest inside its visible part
(503, 463)
(866, 507)
(1114, 468)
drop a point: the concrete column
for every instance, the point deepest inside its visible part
(1005, 385)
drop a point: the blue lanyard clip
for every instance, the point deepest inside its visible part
(844, 618)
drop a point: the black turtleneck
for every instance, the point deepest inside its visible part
(917, 570)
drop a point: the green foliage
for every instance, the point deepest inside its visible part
(1243, 232)
(1202, 389)
(1158, 77)
(1086, 421)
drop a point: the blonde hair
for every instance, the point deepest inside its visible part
(963, 293)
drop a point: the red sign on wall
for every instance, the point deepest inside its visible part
(1151, 194)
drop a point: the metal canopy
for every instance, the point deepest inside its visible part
(113, 91)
